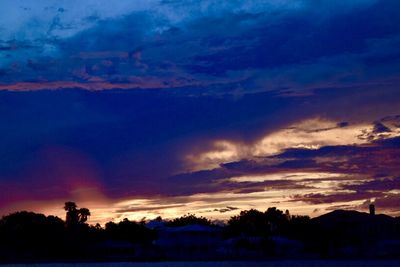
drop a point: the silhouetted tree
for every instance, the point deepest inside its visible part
(256, 223)
(70, 206)
(72, 215)
(277, 220)
(287, 214)
(189, 219)
(129, 231)
(251, 222)
(30, 236)
(83, 214)
(298, 227)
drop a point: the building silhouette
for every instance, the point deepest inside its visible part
(372, 209)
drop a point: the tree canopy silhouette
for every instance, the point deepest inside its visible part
(189, 219)
(27, 231)
(130, 231)
(31, 237)
(251, 222)
(75, 216)
(83, 214)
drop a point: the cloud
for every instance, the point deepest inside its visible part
(227, 209)
(334, 198)
(380, 128)
(389, 202)
(270, 45)
(136, 144)
(310, 134)
(148, 208)
(159, 100)
(383, 184)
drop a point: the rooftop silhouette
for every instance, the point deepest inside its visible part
(252, 234)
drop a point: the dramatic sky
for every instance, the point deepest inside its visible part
(144, 108)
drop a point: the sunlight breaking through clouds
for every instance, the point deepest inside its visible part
(309, 134)
(154, 108)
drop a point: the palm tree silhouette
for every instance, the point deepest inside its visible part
(72, 216)
(70, 206)
(83, 214)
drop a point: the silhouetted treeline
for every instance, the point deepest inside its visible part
(187, 220)
(273, 234)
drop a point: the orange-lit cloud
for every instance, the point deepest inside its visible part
(310, 134)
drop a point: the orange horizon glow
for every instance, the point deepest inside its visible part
(206, 205)
(81, 180)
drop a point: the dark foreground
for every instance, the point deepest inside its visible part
(225, 264)
(270, 238)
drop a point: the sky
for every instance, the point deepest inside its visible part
(139, 109)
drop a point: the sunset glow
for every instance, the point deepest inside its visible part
(139, 109)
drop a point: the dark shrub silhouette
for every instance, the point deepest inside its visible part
(298, 227)
(189, 219)
(256, 223)
(26, 233)
(277, 220)
(129, 231)
(250, 222)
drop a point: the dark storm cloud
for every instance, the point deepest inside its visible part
(388, 202)
(364, 162)
(369, 160)
(333, 198)
(235, 74)
(135, 139)
(133, 142)
(385, 184)
(315, 43)
(380, 128)
(215, 180)
(376, 167)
